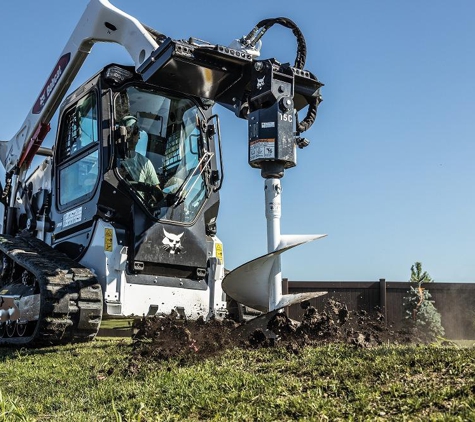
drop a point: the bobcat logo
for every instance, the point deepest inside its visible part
(172, 242)
(260, 82)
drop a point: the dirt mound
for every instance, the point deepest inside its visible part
(335, 323)
(165, 337)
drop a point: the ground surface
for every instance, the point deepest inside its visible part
(335, 366)
(333, 382)
(167, 337)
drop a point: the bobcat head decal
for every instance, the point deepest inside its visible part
(260, 83)
(172, 242)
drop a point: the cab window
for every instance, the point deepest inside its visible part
(164, 148)
(78, 151)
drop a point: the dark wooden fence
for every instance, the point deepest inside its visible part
(454, 301)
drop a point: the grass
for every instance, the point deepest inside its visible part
(94, 382)
(117, 323)
(116, 327)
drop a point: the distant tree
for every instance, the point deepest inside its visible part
(421, 314)
(417, 276)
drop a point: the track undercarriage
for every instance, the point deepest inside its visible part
(45, 297)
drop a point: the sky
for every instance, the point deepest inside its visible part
(389, 174)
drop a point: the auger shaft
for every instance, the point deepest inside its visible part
(273, 194)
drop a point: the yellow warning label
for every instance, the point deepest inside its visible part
(108, 236)
(219, 251)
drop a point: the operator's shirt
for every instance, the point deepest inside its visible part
(141, 169)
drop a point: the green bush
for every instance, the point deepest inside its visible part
(421, 315)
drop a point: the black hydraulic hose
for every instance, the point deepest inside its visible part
(157, 36)
(261, 28)
(5, 190)
(309, 120)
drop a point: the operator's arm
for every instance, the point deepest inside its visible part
(150, 174)
(144, 171)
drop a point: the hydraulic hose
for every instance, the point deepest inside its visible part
(157, 36)
(261, 28)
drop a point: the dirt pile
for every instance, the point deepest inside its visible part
(165, 337)
(335, 323)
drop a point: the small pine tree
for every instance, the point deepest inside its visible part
(421, 314)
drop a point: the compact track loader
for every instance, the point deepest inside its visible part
(120, 217)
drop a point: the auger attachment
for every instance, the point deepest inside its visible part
(258, 283)
(277, 92)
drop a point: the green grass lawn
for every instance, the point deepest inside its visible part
(99, 382)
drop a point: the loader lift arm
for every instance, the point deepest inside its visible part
(100, 22)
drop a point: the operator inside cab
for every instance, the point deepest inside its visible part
(138, 167)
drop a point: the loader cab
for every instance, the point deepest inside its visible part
(158, 193)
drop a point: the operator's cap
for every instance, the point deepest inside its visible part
(129, 121)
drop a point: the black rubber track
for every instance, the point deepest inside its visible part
(71, 297)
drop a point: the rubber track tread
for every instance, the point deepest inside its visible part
(71, 297)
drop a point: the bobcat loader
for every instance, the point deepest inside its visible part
(88, 233)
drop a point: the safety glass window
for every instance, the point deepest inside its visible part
(80, 127)
(162, 155)
(78, 178)
(78, 152)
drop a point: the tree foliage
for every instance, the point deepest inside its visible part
(418, 276)
(421, 315)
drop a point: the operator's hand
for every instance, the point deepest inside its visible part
(157, 193)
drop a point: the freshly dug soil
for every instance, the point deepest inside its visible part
(165, 337)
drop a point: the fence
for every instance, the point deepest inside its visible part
(454, 301)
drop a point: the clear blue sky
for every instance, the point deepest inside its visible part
(390, 171)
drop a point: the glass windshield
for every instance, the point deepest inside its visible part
(163, 157)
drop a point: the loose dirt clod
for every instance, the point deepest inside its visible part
(165, 337)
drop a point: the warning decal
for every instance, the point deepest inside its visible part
(219, 251)
(261, 149)
(108, 236)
